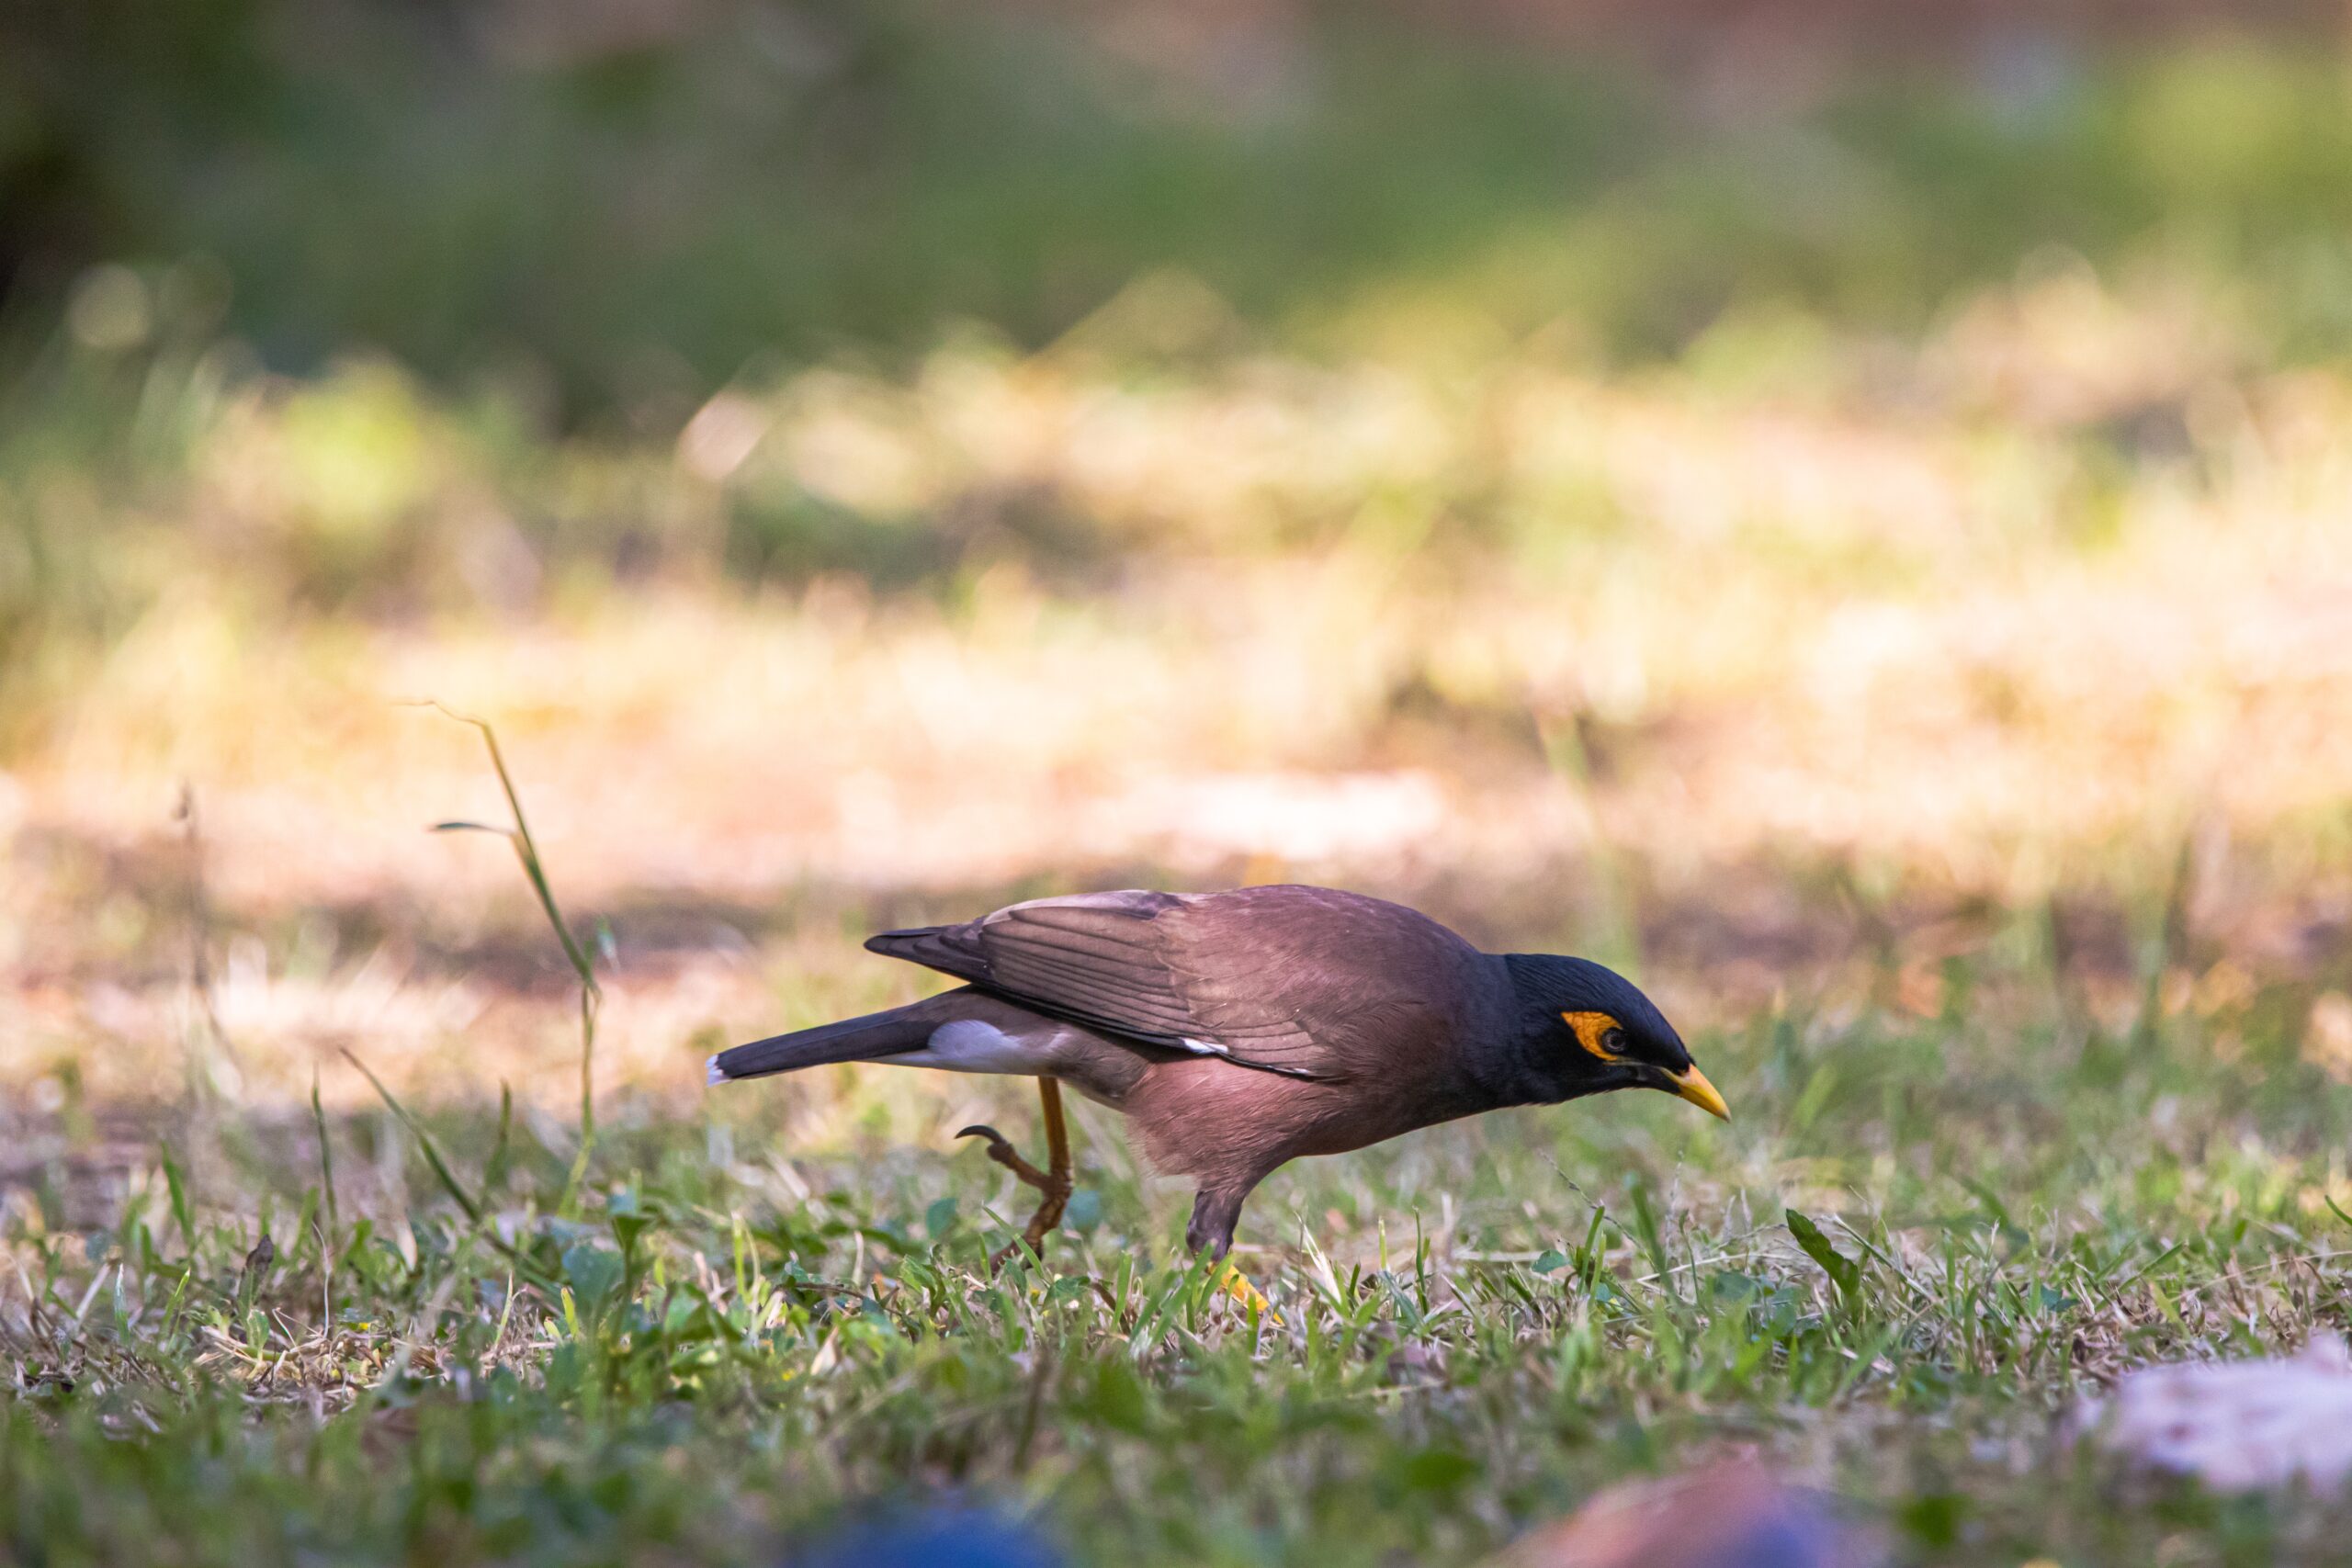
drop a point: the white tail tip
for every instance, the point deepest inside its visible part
(712, 1075)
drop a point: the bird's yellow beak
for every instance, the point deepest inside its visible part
(1693, 1087)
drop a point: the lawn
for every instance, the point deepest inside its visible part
(1872, 559)
(1929, 1229)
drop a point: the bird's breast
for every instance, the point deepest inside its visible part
(1215, 1120)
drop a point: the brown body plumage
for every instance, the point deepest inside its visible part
(1239, 1031)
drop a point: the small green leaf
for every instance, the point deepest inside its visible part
(594, 1272)
(1731, 1285)
(1843, 1271)
(494, 1176)
(940, 1218)
(181, 1214)
(628, 1227)
(1550, 1260)
(1085, 1211)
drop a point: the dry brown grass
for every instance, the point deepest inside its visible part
(2007, 619)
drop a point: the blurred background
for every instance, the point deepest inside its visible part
(1783, 496)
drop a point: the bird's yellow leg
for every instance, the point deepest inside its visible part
(1053, 1182)
(1056, 1185)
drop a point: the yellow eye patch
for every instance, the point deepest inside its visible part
(1590, 1029)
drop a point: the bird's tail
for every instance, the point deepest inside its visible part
(852, 1039)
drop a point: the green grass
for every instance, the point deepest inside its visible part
(726, 1338)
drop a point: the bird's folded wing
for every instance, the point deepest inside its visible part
(1199, 975)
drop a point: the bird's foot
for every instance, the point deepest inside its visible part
(1001, 1150)
(1053, 1183)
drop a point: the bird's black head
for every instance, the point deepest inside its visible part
(1585, 1029)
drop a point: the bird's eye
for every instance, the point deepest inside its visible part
(1597, 1032)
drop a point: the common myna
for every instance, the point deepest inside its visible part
(1237, 1030)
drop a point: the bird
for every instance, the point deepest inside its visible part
(1239, 1029)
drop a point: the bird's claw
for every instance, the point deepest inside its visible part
(1054, 1186)
(1001, 1150)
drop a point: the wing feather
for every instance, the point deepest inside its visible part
(1236, 974)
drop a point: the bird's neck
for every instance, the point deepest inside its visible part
(1505, 1058)
(1507, 1070)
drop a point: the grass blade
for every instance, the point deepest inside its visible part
(450, 1183)
(592, 995)
(326, 1160)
